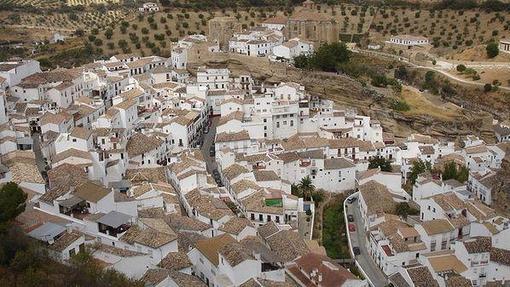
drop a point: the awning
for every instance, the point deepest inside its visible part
(114, 219)
(70, 202)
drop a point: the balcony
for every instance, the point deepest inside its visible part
(74, 207)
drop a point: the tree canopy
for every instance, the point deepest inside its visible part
(492, 49)
(380, 162)
(12, 203)
(450, 171)
(418, 168)
(326, 58)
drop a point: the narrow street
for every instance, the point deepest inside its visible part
(36, 146)
(359, 240)
(208, 141)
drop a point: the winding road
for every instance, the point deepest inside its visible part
(441, 67)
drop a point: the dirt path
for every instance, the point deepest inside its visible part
(439, 69)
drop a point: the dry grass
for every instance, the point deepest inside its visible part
(423, 104)
(478, 53)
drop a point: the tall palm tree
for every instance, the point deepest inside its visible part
(306, 186)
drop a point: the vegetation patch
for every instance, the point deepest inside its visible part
(334, 238)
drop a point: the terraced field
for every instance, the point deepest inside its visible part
(31, 3)
(69, 21)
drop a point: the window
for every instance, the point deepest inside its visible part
(443, 244)
(261, 217)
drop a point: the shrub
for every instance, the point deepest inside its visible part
(400, 105)
(461, 68)
(108, 33)
(379, 81)
(492, 49)
(487, 87)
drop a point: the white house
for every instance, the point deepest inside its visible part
(409, 40)
(61, 242)
(292, 48)
(15, 71)
(149, 7)
(214, 79)
(504, 45)
(221, 261)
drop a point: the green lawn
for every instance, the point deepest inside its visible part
(333, 232)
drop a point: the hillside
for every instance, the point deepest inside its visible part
(450, 31)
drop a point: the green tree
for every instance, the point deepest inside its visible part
(402, 209)
(461, 68)
(302, 62)
(418, 168)
(401, 73)
(463, 174)
(380, 162)
(318, 196)
(328, 56)
(295, 190)
(492, 49)
(12, 203)
(306, 186)
(449, 170)
(487, 87)
(430, 78)
(108, 33)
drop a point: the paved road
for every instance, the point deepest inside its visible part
(359, 239)
(208, 141)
